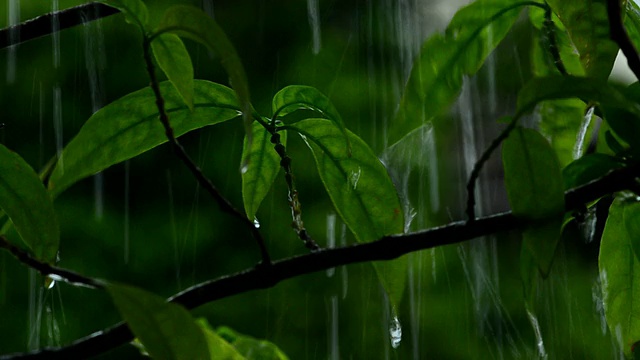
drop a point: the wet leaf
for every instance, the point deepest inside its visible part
(296, 97)
(192, 23)
(135, 11)
(631, 217)
(620, 276)
(261, 171)
(632, 22)
(560, 121)
(534, 186)
(26, 202)
(219, 347)
(588, 25)
(361, 191)
(174, 60)
(130, 126)
(167, 330)
(588, 168)
(250, 347)
(445, 59)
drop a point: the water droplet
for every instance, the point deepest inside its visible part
(395, 331)
(536, 329)
(354, 177)
(256, 223)
(331, 238)
(50, 281)
(314, 22)
(578, 149)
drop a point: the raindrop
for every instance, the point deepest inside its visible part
(57, 122)
(334, 339)
(256, 223)
(578, 149)
(331, 238)
(395, 331)
(314, 23)
(542, 353)
(13, 18)
(55, 33)
(354, 177)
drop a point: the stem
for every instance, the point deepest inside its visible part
(205, 182)
(549, 29)
(619, 35)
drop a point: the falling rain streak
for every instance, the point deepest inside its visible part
(13, 18)
(313, 14)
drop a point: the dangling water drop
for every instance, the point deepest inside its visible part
(542, 353)
(395, 331)
(256, 223)
(578, 149)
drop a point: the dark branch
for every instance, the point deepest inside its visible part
(180, 152)
(43, 25)
(45, 269)
(619, 35)
(387, 248)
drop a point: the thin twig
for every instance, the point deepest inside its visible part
(549, 29)
(205, 182)
(55, 273)
(619, 35)
(387, 248)
(43, 25)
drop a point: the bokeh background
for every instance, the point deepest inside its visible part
(147, 223)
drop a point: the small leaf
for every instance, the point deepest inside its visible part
(445, 59)
(174, 60)
(620, 275)
(192, 23)
(135, 11)
(130, 126)
(632, 22)
(361, 191)
(219, 347)
(250, 347)
(296, 97)
(167, 330)
(588, 25)
(260, 173)
(588, 168)
(534, 186)
(26, 202)
(560, 121)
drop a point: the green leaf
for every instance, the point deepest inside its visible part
(219, 347)
(620, 275)
(588, 168)
(445, 59)
(560, 121)
(631, 217)
(624, 122)
(588, 25)
(174, 60)
(296, 97)
(261, 171)
(26, 202)
(632, 22)
(250, 347)
(361, 191)
(135, 11)
(534, 187)
(130, 126)
(192, 23)
(167, 330)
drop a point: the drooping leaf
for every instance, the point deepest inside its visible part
(560, 121)
(361, 191)
(26, 202)
(588, 168)
(588, 25)
(250, 347)
(130, 126)
(632, 22)
(174, 60)
(135, 11)
(219, 347)
(192, 23)
(295, 97)
(620, 275)
(625, 123)
(534, 187)
(167, 330)
(260, 173)
(437, 74)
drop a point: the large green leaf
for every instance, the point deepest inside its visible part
(167, 330)
(26, 202)
(436, 77)
(191, 22)
(361, 191)
(174, 60)
(560, 121)
(135, 11)
(129, 126)
(250, 347)
(588, 25)
(296, 97)
(219, 347)
(535, 190)
(588, 168)
(259, 174)
(620, 274)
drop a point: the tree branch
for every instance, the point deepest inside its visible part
(619, 35)
(387, 248)
(43, 25)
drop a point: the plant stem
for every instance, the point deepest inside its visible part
(619, 35)
(205, 182)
